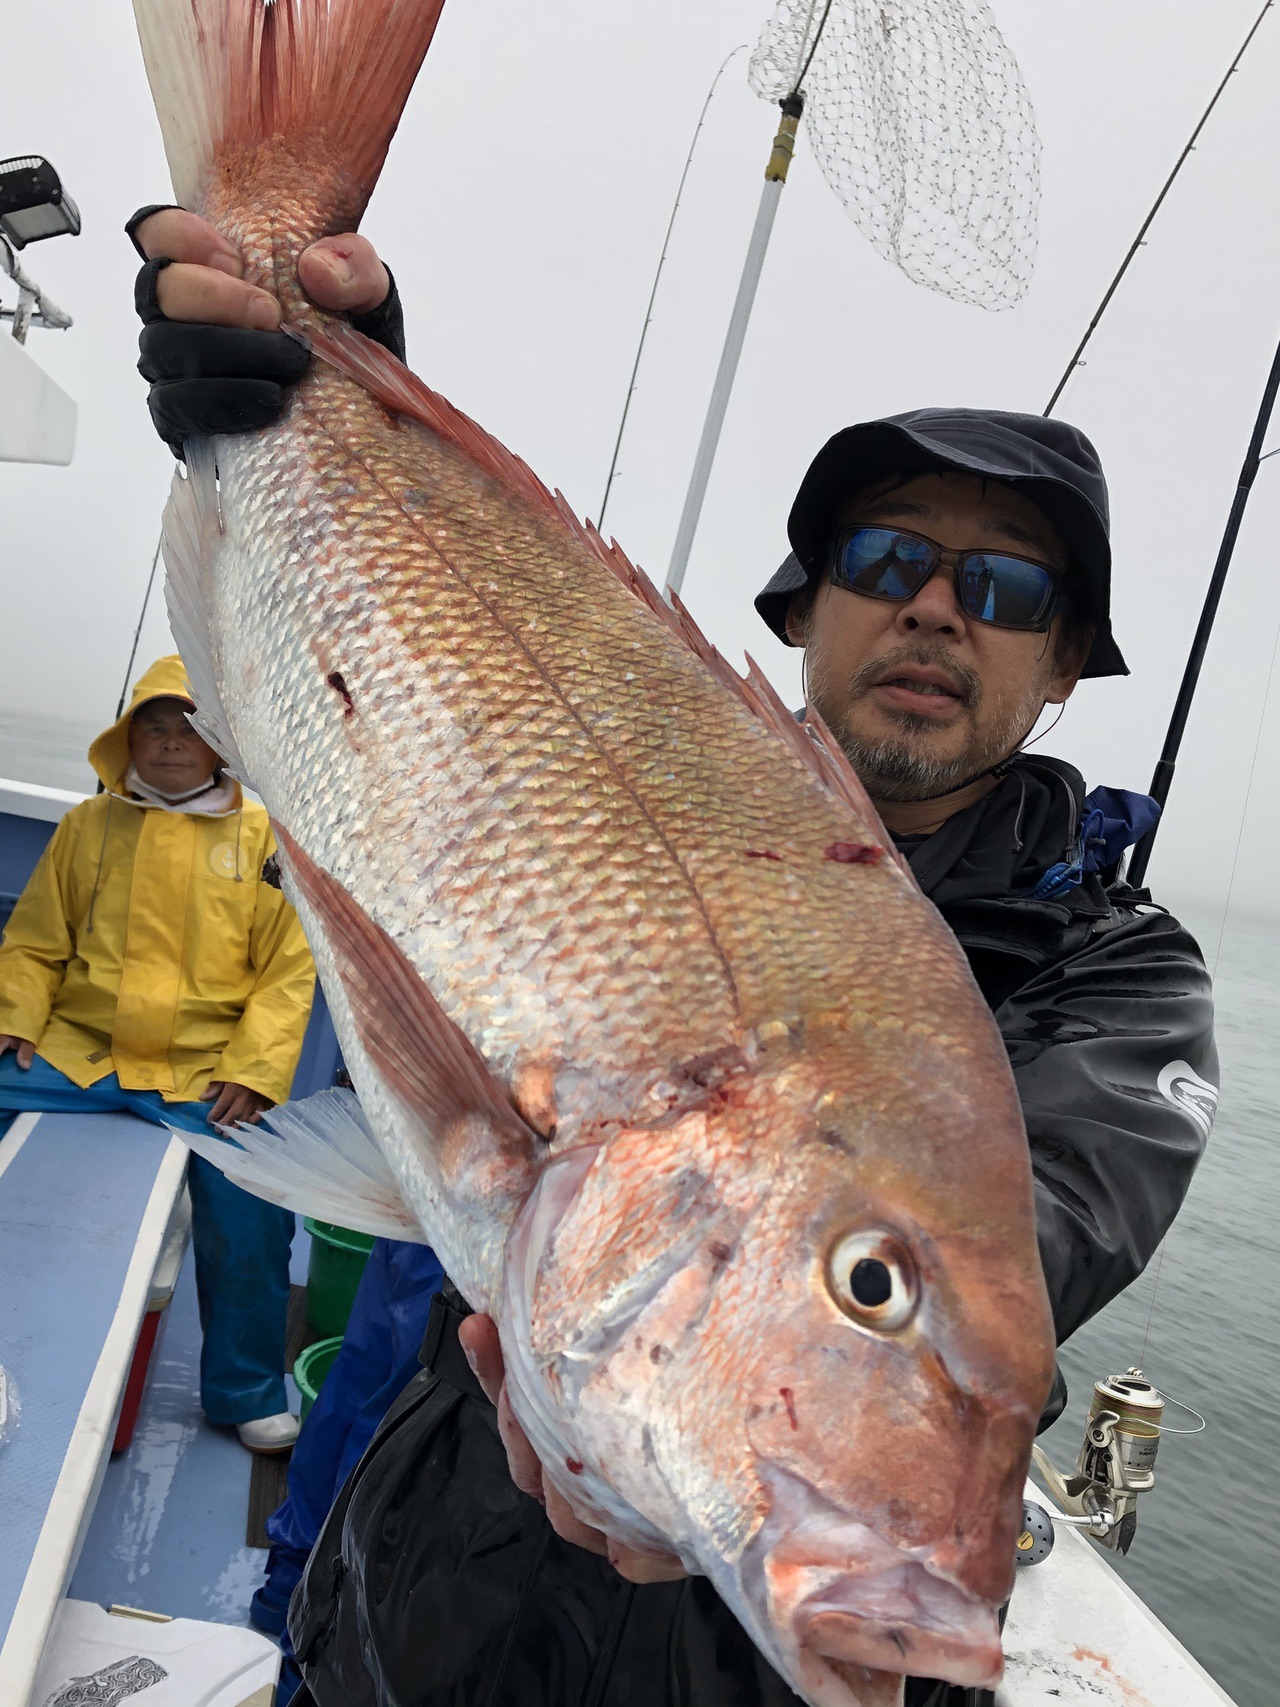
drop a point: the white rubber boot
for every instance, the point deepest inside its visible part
(269, 1434)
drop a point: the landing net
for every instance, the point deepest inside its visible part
(920, 122)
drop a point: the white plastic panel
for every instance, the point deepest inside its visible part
(176, 1663)
(37, 418)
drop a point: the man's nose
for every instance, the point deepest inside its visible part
(935, 608)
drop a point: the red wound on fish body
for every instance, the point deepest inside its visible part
(764, 853)
(853, 853)
(573, 1466)
(789, 1400)
(339, 686)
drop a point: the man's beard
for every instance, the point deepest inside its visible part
(897, 767)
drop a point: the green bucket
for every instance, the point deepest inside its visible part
(337, 1261)
(310, 1370)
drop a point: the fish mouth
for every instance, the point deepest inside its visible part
(849, 1602)
(901, 1620)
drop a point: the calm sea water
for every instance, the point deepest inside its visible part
(48, 750)
(1207, 1554)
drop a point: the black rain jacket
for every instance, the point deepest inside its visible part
(436, 1584)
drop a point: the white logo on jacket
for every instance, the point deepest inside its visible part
(1185, 1089)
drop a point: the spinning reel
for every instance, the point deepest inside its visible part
(1115, 1464)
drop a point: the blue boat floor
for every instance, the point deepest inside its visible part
(167, 1534)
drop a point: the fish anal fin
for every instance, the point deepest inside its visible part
(425, 1060)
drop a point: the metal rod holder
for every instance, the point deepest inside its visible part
(34, 307)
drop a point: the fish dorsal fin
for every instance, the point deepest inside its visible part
(426, 1061)
(810, 741)
(399, 389)
(317, 1157)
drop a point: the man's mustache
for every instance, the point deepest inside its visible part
(966, 682)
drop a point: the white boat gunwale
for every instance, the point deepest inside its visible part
(57, 1548)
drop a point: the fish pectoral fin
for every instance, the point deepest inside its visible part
(317, 1157)
(426, 1062)
(191, 540)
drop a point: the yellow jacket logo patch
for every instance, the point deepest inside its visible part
(227, 859)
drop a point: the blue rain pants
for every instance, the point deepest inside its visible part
(241, 1244)
(379, 1357)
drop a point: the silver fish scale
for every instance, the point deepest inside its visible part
(591, 851)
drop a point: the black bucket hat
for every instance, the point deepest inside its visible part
(1048, 461)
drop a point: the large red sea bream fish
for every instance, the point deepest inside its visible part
(656, 1042)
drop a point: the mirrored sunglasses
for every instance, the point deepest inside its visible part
(992, 587)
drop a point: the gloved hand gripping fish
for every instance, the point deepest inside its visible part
(655, 1039)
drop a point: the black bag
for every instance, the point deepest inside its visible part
(436, 1583)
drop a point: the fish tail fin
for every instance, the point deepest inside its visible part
(317, 1157)
(329, 77)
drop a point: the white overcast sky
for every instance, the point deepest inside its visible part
(522, 208)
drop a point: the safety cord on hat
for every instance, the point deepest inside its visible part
(1003, 766)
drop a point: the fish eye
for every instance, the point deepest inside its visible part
(872, 1278)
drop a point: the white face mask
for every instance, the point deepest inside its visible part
(214, 798)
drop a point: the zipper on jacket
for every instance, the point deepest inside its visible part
(609, 1648)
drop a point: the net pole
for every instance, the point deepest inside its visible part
(757, 249)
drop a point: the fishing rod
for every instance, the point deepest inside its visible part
(1163, 777)
(657, 279)
(775, 177)
(1146, 225)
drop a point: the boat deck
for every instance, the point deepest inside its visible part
(168, 1534)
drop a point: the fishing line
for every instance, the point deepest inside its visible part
(657, 277)
(137, 633)
(1139, 240)
(133, 650)
(1257, 747)
(1155, 1288)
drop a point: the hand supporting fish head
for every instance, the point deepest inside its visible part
(808, 1352)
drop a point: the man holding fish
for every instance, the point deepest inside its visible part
(949, 578)
(740, 1157)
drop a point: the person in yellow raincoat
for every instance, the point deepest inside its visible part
(149, 966)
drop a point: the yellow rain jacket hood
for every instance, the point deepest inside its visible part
(147, 943)
(109, 754)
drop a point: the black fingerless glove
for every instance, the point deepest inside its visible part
(226, 379)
